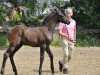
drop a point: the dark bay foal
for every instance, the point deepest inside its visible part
(36, 37)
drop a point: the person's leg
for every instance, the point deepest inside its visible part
(70, 48)
(65, 53)
(64, 62)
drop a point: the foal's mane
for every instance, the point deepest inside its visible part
(48, 17)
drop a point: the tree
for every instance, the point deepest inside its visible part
(3, 14)
(34, 18)
(87, 13)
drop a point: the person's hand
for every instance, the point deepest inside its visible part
(74, 42)
(67, 37)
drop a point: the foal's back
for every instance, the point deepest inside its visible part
(30, 36)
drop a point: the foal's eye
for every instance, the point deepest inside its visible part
(60, 15)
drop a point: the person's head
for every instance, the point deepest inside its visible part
(69, 12)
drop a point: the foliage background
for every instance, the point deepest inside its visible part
(86, 14)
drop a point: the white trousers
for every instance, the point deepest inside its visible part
(67, 47)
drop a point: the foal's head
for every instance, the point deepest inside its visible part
(61, 17)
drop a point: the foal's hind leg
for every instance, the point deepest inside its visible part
(42, 51)
(51, 57)
(12, 60)
(6, 55)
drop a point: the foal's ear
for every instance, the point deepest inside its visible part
(57, 10)
(62, 10)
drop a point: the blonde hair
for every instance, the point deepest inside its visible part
(69, 9)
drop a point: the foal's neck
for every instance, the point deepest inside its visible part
(51, 25)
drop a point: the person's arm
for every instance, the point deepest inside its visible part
(61, 26)
(75, 34)
(62, 34)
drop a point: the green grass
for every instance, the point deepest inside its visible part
(83, 40)
(3, 39)
(87, 40)
(56, 42)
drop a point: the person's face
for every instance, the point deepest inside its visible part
(68, 14)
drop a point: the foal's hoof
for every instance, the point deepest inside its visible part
(15, 74)
(53, 72)
(40, 73)
(52, 69)
(2, 72)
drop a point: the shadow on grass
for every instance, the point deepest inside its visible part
(47, 72)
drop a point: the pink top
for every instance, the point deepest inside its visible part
(68, 29)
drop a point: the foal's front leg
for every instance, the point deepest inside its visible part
(51, 58)
(42, 51)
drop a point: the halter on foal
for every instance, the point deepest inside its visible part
(36, 37)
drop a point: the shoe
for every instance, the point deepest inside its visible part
(65, 71)
(60, 66)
